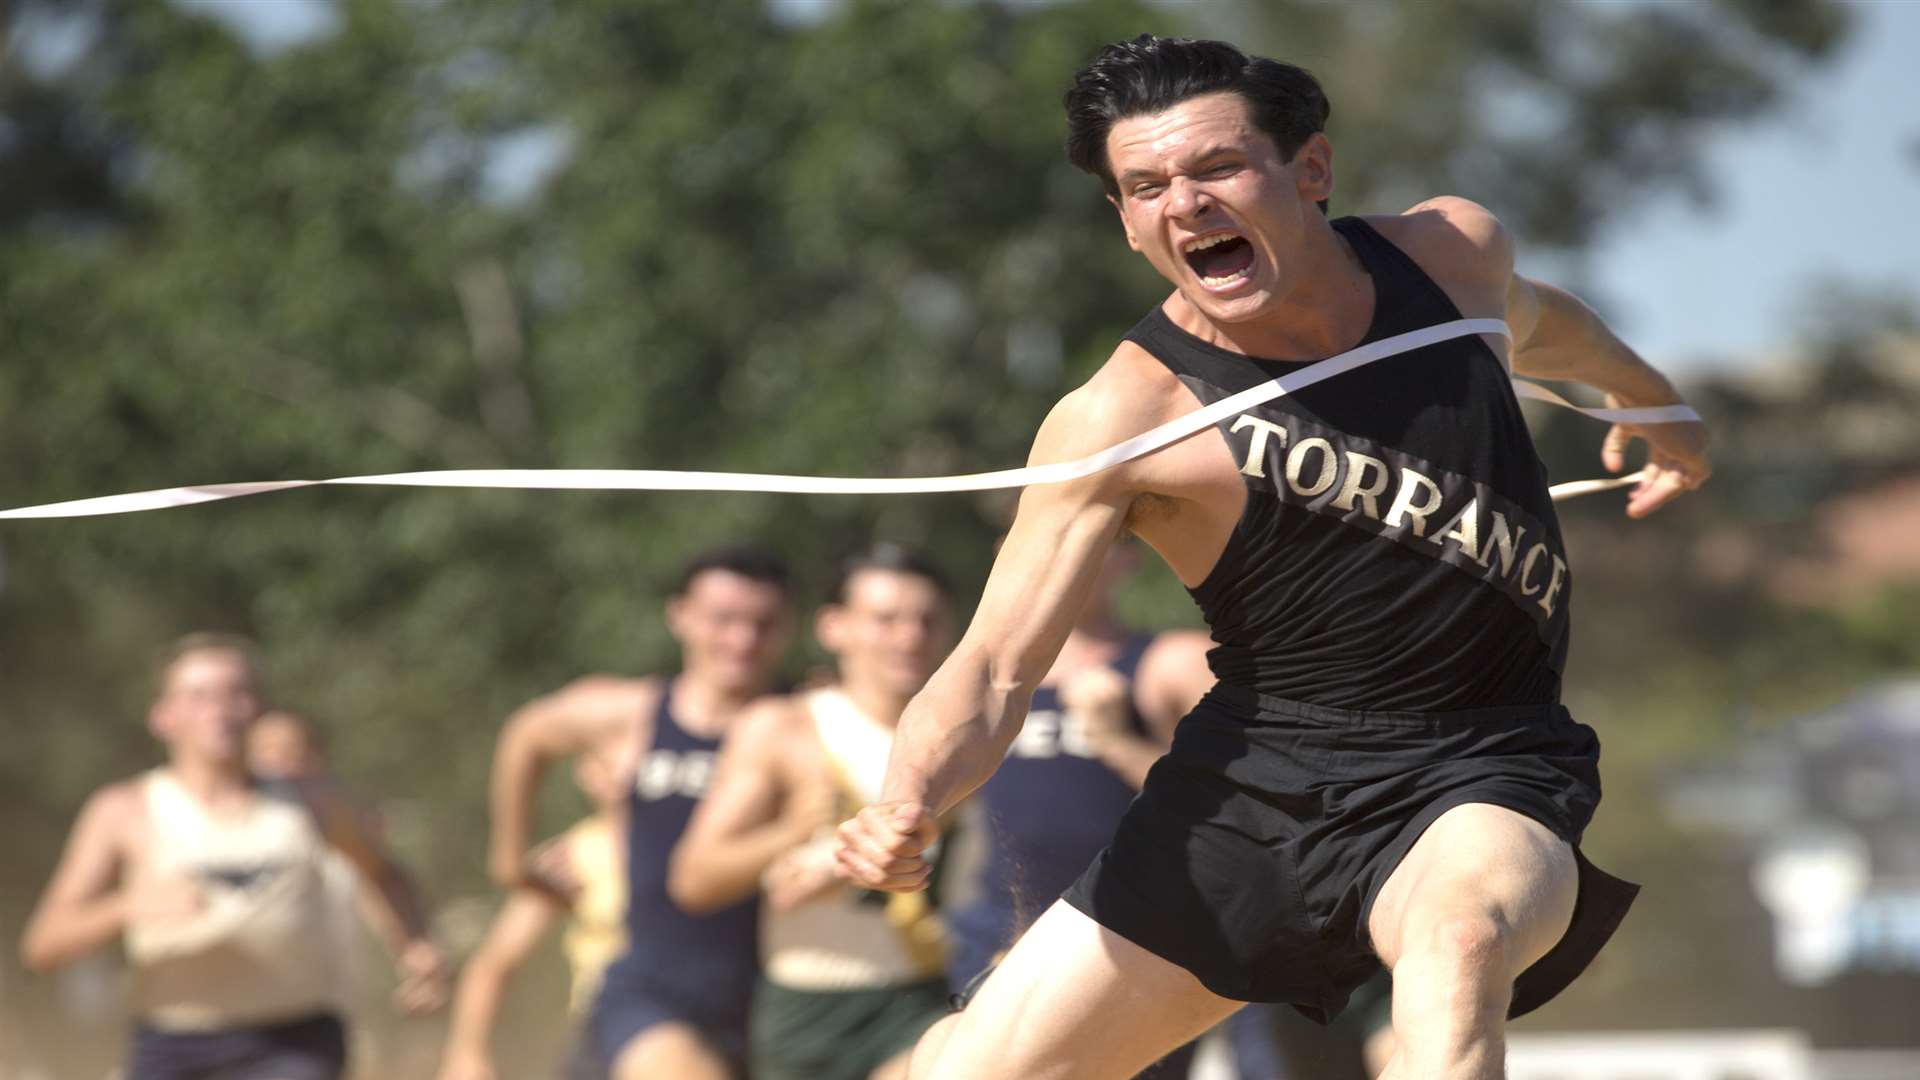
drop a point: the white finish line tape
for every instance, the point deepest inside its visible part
(675, 480)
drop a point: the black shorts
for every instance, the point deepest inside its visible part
(310, 1048)
(1253, 854)
(839, 1034)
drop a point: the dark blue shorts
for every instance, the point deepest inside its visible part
(626, 1008)
(311, 1048)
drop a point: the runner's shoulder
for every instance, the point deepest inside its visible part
(1131, 393)
(609, 696)
(612, 685)
(117, 808)
(1455, 240)
(775, 725)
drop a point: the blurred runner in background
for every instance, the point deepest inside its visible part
(675, 1002)
(587, 854)
(215, 879)
(852, 977)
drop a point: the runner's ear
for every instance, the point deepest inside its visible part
(829, 627)
(1132, 241)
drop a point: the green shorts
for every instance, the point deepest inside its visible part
(838, 1034)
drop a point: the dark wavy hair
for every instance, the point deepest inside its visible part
(1149, 74)
(746, 560)
(893, 558)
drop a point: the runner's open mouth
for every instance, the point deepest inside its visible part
(1227, 259)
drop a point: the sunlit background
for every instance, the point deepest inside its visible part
(305, 238)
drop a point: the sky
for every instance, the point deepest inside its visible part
(1821, 189)
(1824, 189)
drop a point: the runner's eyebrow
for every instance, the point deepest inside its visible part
(1202, 158)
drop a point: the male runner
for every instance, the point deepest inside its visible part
(214, 879)
(852, 978)
(1383, 773)
(675, 1003)
(588, 855)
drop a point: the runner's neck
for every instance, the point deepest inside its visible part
(878, 703)
(214, 786)
(704, 707)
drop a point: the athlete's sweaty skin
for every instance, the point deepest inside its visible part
(1458, 918)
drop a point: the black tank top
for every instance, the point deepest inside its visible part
(1398, 549)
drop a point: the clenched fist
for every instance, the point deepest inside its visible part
(884, 846)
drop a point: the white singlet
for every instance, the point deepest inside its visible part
(850, 939)
(258, 950)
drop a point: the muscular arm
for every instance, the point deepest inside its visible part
(1558, 337)
(511, 938)
(570, 721)
(755, 810)
(957, 729)
(1555, 336)
(81, 910)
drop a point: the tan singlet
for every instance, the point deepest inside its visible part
(258, 950)
(850, 939)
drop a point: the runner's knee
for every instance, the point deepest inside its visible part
(1469, 943)
(668, 1050)
(1472, 941)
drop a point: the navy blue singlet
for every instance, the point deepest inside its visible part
(703, 964)
(1049, 810)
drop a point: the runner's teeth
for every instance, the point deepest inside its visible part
(1206, 242)
(1229, 279)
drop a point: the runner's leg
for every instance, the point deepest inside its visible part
(1072, 999)
(670, 1049)
(1483, 894)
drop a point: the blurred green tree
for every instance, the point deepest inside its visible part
(613, 233)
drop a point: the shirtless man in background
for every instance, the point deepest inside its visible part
(215, 880)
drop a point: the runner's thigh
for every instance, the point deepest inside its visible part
(1073, 999)
(1480, 861)
(671, 1049)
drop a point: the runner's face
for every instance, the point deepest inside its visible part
(891, 632)
(1206, 198)
(732, 629)
(207, 702)
(278, 746)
